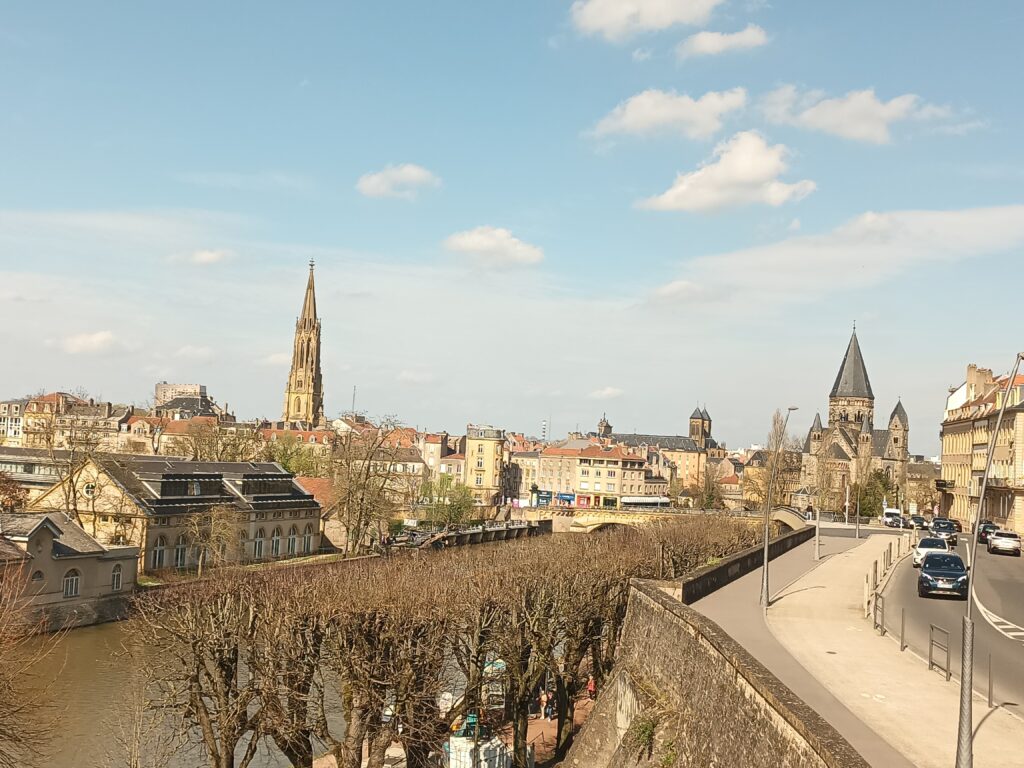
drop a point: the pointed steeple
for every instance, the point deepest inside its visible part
(816, 426)
(852, 380)
(899, 415)
(308, 315)
(865, 427)
(696, 413)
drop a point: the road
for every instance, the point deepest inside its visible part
(998, 615)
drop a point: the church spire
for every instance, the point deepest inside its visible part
(852, 380)
(303, 394)
(309, 304)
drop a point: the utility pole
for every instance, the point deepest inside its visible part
(965, 727)
(768, 512)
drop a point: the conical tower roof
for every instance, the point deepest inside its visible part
(852, 380)
(816, 426)
(696, 413)
(309, 304)
(899, 413)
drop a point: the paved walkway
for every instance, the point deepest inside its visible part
(736, 609)
(819, 620)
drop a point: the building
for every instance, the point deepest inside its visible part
(73, 580)
(12, 414)
(304, 392)
(176, 511)
(40, 415)
(433, 448)
(165, 392)
(556, 468)
(849, 448)
(486, 457)
(525, 468)
(454, 464)
(185, 407)
(36, 470)
(969, 419)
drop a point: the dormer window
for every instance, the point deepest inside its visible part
(195, 488)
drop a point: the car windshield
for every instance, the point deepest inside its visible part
(946, 562)
(931, 544)
(1005, 535)
(943, 524)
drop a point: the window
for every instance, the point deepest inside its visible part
(479, 480)
(479, 463)
(597, 486)
(257, 544)
(597, 473)
(611, 487)
(584, 486)
(312, 439)
(584, 473)
(307, 540)
(72, 583)
(157, 558)
(89, 490)
(115, 579)
(180, 551)
(293, 538)
(37, 576)
(275, 543)
(611, 473)
(195, 489)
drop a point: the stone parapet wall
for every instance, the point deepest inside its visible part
(712, 702)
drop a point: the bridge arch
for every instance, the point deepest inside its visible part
(789, 517)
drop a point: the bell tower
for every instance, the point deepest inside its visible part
(304, 394)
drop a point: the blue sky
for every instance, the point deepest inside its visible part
(517, 210)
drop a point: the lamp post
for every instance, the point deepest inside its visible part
(965, 728)
(768, 512)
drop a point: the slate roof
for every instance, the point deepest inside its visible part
(71, 541)
(852, 380)
(665, 442)
(696, 413)
(879, 442)
(835, 451)
(10, 552)
(816, 426)
(899, 413)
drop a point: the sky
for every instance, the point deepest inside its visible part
(521, 211)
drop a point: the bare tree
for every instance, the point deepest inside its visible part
(12, 495)
(209, 441)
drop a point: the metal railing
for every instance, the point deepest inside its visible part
(943, 645)
(878, 614)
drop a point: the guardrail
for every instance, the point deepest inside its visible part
(943, 645)
(878, 614)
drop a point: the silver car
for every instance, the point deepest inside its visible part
(1004, 542)
(926, 545)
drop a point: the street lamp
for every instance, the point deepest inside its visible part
(768, 512)
(965, 729)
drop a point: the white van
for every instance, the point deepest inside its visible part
(891, 518)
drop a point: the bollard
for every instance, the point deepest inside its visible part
(990, 681)
(874, 574)
(903, 630)
(888, 556)
(867, 596)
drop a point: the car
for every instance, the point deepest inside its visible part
(1007, 542)
(895, 521)
(959, 526)
(926, 545)
(918, 521)
(943, 528)
(943, 573)
(984, 529)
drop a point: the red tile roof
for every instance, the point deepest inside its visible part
(321, 488)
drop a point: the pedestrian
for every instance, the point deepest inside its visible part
(549, 710)
(591, 687)
(543, 703)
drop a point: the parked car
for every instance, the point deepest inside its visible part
(944, 529)
(919, 521)
(984, 529)
(959, 525)
(926, 545)
(1007, 542)
(895, 521)
(943, 573)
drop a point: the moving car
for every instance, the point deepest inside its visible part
(1007, 542)
(919, 521)
(895, 521)
(944, 529)
(891, 518)
(943, 573)
(926, 545)
(984, 529)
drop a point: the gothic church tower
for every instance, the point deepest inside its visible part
(304, 394)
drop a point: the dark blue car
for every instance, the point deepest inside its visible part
(943, 573)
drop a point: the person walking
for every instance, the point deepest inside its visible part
(543, 703)
(591, 688)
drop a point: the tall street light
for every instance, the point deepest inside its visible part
(965, 729)
(768, 512)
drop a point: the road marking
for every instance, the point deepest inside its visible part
(1006, 628)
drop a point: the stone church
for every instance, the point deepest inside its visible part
(304, 392)
(849, 448)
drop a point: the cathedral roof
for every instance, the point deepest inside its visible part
(816, 426)
(835, 451)
(852, 380)
(696, 413)
(704, 414)
(899, 413)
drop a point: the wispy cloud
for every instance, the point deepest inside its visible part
(653, 111)
(494, 247)
(403, 181)
(714, 43)
(89, 343)
(617, 20)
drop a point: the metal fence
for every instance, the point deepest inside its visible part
(938, 639)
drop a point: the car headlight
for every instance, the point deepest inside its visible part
(926, 577)
(962, 579)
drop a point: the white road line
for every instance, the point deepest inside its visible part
(1006, 628)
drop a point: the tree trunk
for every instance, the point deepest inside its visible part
(349, 752)
(417, 756)
(520, 724)
(298, 751)
(565, 705)
(379, 743)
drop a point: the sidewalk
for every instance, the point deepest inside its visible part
(820, 620)
(736, 609)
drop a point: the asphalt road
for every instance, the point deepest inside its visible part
(998, 620)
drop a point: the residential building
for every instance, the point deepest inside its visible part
(153, 502)
(486, 457)
(165, 392)
(923, 478)
(304, 393)
(454, 464)
(788, 488)
(185, 407)
(12, 414)
(525, 468)
(36, 470)
(556, 467)
(433, 447)
(40, 415)
(73, 580)
(849, 448)
(970, 417)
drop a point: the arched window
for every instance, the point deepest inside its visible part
(157, 558)
(307, 540)
(298, 404)
(257, 544)
(275, 543)
(37, 576)
(180, 551)
(89, 490)
(293, 537)
(72, 583)
(115, 579)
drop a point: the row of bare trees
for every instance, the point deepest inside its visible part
(352, 657)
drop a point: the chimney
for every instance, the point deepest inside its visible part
(108, 409)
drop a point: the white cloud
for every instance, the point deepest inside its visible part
(494, 247)
(641, 54)
(205, 257)
(743, 170)
(192, 352)
(618, 19)
(277, 359)
(403, 181)
(407, 376)
(88, 343)
(605, 393)
(655, 111)
(713, 43)
(865, 251)
(858, 115)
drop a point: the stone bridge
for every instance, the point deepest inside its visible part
(485, 533)
(587, 520)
